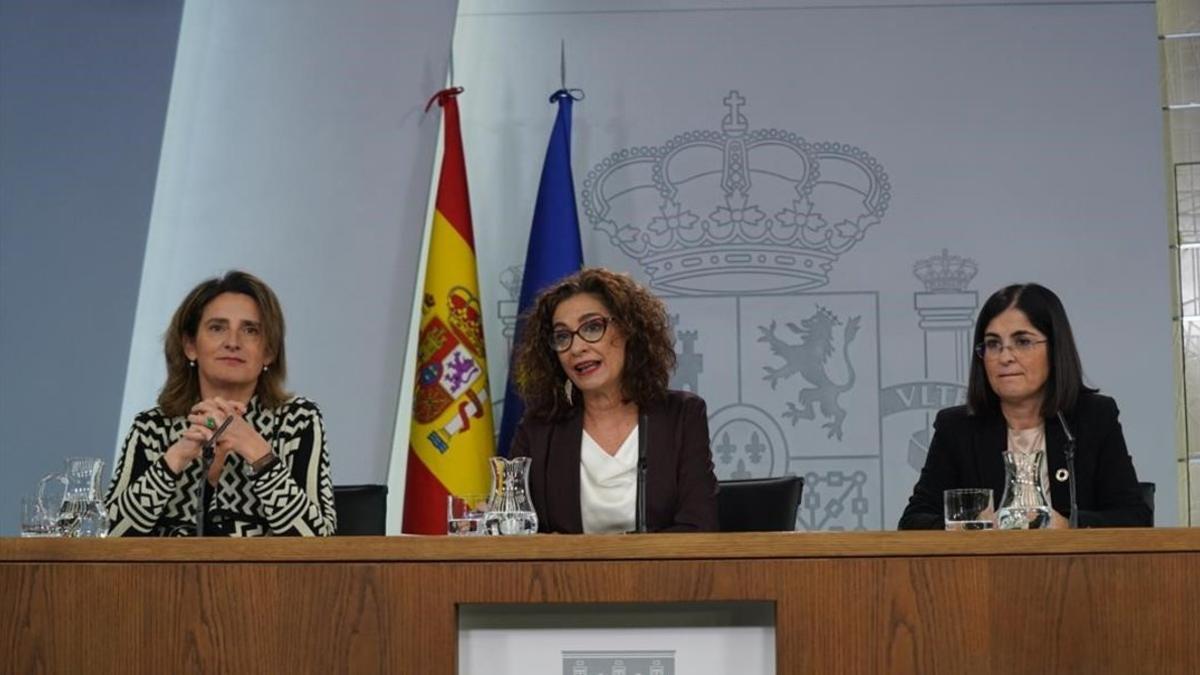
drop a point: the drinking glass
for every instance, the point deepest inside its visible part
(464, 514)
(969, 509)
(35, 522)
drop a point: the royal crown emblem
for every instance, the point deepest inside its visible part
(945, 273)
(466, 319)
(739, 210)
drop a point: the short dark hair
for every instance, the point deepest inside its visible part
(1045, 311)
(642, 317)
(182, 389)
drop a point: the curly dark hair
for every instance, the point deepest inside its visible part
(642, 318)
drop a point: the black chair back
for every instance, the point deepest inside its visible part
(361, 509)
(1148, 490)
(759, 504)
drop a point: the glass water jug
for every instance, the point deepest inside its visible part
(81, 513)
(509, 509)
(1024, 505)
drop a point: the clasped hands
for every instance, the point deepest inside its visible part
(204, 419)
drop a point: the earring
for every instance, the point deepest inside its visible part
(266, 368)
(569, 389)
(191, 363)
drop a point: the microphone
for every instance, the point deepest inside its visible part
(1069, 451)
(206, 454)
(639, 516)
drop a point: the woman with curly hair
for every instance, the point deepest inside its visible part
(596, 355)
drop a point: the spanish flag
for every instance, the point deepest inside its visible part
(451, 437)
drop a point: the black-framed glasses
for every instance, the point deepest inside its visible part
(589, 331)
(992, 348)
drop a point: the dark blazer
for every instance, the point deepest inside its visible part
(966, 452)
(681, 487)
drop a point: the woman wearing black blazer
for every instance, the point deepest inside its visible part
(1025, 371)
(594, 359)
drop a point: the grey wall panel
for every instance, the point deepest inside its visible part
(83, 97)
(296, 147)
(790, 159)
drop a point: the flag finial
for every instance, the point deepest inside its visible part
(442, 96)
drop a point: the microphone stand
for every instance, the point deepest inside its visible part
(1069, 451)
(207, 451)
(639, 524)
(206, 459)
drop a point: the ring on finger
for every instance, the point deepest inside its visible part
(210, 423)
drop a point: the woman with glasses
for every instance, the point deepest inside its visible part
(1026, 371)
(593, 364)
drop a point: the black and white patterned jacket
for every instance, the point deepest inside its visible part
(294, 496)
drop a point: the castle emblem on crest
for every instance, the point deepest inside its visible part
(737, 210)
(809, 358)
(449, 371)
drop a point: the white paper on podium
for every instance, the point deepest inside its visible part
(708, 650)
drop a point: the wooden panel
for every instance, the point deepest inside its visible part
(607, 547)
(1083, 612)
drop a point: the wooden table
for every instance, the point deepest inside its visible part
(1087, 601)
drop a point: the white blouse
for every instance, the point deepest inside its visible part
(608, 485)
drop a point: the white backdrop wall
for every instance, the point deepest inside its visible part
(1023, 139)
(296, 147)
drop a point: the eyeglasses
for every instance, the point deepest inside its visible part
(589, 331)
(992, 348)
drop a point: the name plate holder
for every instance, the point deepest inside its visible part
(697, 638)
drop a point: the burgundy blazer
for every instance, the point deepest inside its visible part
(681, 488)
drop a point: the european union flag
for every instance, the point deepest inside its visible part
(555, 250)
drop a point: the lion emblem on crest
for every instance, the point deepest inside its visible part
(809, 359)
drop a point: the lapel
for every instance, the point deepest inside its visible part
(991, 440)
(656, 437)
(562, 472)
(1056, 456)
